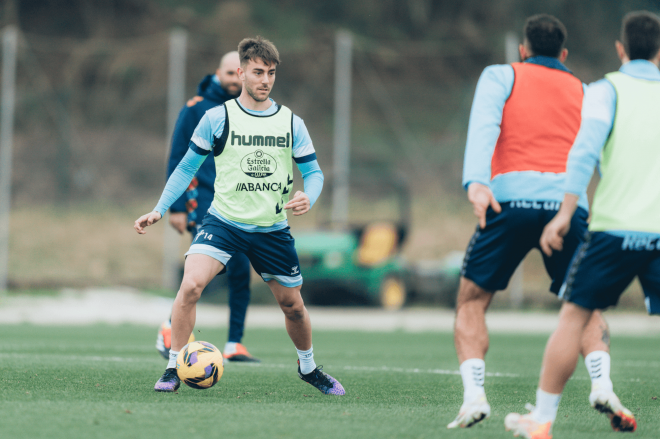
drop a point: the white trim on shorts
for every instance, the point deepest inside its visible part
(209, 250)
(285, 281)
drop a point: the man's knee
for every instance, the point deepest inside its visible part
(471, 294)
(292, 304)
(191, 289)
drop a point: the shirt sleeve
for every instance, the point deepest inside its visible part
(598, 110)
(180, 179)
(303, 149)
(208, 130)
(312, 179)
(493, 90)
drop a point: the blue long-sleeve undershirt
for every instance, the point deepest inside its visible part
(191, 162)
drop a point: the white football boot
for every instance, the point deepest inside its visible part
(605, 401)
(471, 412)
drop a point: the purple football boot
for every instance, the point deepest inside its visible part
(169, 382)
(322, 381)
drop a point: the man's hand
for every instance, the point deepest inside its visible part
(145, 221)
(553, 234)
(481, 198)
(179, 220)
(300, 204)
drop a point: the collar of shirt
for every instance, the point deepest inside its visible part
(641, 69)
(547, 61)
(267, 112)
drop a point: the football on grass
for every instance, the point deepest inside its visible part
(199, 365)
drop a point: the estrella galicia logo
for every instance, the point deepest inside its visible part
(258, 164)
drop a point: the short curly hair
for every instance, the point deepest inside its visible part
(545, 34)
(251, 49)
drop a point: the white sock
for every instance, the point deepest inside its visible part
(598, 366)
(307, 363)
(473, 372)
(546, 406)
(230, 348)
(171, 364)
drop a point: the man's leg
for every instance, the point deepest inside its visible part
(471, 341)
(470, 332)
(595, 348)
(559, 361)
(297, 322)
(563, 348)
(238, 273)
(299, 328)
(198, 272)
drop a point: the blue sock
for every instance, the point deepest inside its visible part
(307, 363)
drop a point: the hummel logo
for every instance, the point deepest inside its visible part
(295, 270)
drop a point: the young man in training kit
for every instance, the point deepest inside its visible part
(620, 130)
(253, 140)
(523, 122)
(186, 213)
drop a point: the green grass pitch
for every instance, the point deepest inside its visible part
(97, 382)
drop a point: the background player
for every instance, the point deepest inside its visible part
(253, 140)
(619, 125)
(523, 122)
(187, 212)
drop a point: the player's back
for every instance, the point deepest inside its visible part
(628, 196)
(540, 121)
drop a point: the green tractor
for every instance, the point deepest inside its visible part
(361, 263)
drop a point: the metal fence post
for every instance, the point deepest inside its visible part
(176, 89)
(342, 128)
(7, 103)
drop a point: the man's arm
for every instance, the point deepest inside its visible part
(199, 148)
(305, 157)
(176, 185)
(493, 89)
(183, 131)
(598, 110)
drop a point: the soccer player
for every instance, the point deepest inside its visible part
(187, 211)
(253, 140)
(523, 122)
(620, 129)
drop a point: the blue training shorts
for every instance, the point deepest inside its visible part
(606, 264)
(272, 254)
(495, 252)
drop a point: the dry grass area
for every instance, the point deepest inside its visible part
(83, 245)
(95, 245)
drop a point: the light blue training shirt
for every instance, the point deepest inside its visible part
(212, 124)
(598, 113)
(493, 89)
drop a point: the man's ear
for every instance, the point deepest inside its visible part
(563, 55)
(522, 50)
(621, 51)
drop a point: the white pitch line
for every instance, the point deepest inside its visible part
(390, 369)
(96, 358)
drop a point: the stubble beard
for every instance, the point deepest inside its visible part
(254, 96)
(234, 91)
